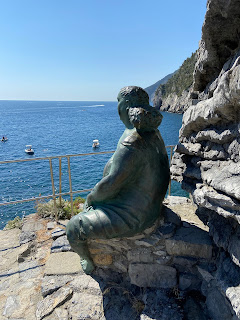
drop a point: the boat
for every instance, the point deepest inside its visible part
(95, 143)
(4, 139)
(29, 149)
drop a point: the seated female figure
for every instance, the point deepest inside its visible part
(129, 197)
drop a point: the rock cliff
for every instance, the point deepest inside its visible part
(176, 94)
(174, 103)
(207, 157)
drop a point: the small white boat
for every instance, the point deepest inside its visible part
(29, 149)
(95, 143)
(4, 139)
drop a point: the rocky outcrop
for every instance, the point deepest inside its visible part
(207, 157)
(220, 40)
(174, 103)
(176, 95)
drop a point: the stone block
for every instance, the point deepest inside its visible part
(63, 263)
(102, 259)
(140, 255)
(48, 304)
(32, 224)
(177, 247)
(61, 244)
(86, 284)
(192, 242)
(152, 275)
(58, 232)
(148, 242)
(96, 251)
(109, 244)
(53, 283)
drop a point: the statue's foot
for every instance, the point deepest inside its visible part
(87, 265)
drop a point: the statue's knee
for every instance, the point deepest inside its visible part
(72, 230)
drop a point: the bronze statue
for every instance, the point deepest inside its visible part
(129, 197)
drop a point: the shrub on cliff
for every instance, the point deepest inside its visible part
(181, 80)
(47, 209)
(15, 223)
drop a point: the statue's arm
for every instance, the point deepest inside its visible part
(122, 171)
(107, 167)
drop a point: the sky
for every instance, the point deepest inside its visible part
(87, 50)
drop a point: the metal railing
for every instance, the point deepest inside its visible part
(70, 193)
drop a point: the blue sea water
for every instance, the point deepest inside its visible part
(59, 128)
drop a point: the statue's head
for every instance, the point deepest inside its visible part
(134, 109)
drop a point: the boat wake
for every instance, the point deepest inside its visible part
(93, 106)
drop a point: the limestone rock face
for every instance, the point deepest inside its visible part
(173, 103)
(176, 95)
(220, 40)
(207, 157)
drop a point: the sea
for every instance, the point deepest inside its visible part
(56, 128)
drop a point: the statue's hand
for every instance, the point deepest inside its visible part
(88, 201)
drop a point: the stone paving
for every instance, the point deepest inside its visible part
(41, 278)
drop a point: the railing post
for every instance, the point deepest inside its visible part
(60, 194)
(170, 181)
(53, 188)
(70, 184)
(60, 180)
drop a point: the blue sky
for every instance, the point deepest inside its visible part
(90, 49)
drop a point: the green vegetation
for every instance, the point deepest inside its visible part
(47, 210)
(181, 80)
(16, 223)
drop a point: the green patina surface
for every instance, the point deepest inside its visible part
(129, 197)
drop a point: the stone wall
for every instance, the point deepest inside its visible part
(167, 255)
(207, 157)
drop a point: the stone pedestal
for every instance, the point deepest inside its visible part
(163, 256)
